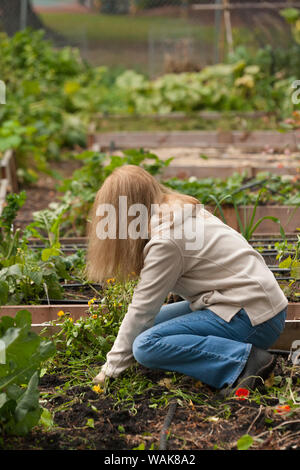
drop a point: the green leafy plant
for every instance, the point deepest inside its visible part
(249, 226)
(51, 95)
(24, 352)
(288, 255)
(245, 442)
(26, 274)
(238, 85)
(90, 337)
(283, 190)
(292, 16)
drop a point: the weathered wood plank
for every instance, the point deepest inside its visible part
(290, 334)
(42, 315)
(222, 171)
(45, 313)
(194, 139)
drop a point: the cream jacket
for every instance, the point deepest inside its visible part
(223, 273)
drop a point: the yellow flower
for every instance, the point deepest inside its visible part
(110, 280)
(98, 389)
(71, 319)
(90, 302)
(61, 313)
(95, 316)
(120, 305)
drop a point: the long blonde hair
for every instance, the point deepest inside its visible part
(115, 257)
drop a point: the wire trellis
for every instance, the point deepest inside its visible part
(155, 36)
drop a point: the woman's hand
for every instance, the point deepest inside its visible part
(100, 378)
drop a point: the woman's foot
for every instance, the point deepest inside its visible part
(259, 366)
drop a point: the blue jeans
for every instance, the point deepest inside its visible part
(202, 345)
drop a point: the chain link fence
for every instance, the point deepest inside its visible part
(154, 36)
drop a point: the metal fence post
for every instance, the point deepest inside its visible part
(23, 14)
(218, 19)
(184, 8)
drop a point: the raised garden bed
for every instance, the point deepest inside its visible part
(255, 140)
(157, 410)
(124, 418)
(289, 217)
(43, 315)
(218, 161)
(162, 411)
(225, 152)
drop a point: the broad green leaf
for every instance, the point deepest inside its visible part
(3, 400)
(23, 319)
(245, 442)
(48, 252)
(30, 420)
(4, 289)
(19, 376)
(25, 351)
(15, 270)
(14, 392)
(90, 423)
(140, 447)
(286, 263)
(290, 14)
(5, 323)
(10, 336)
(29, 401)
(46, 419)
(33, 273)
(295, 269)
(10, 142)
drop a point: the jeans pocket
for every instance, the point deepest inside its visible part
(266, 334)
(277, 323)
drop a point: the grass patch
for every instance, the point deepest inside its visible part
(122, 28)
(226, 122)
(115, 40)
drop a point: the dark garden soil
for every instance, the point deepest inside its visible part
(84, 419)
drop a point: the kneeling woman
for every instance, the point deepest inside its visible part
(233, 311)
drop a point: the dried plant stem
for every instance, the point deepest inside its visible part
(255, 419)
